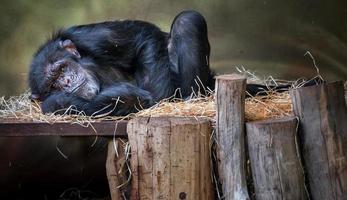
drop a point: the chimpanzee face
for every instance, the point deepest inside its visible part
(71, 77)
(59, 68)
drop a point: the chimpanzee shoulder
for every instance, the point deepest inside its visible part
(112, 43)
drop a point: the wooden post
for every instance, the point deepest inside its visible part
(323, 133)
(275, 161)
(230, 98)
(114, 165)
(170, 158)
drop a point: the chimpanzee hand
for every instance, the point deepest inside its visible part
(57, 103)
(119, 99)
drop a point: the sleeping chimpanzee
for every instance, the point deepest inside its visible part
(120, 66)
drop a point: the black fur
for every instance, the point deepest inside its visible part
(132, 61)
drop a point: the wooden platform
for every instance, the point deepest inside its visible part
(20, 129)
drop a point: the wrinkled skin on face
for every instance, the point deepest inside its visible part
(64, 72)
(72, 78)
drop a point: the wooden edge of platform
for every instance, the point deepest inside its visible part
(23, 129)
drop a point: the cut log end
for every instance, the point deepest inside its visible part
(233, 77)
(269, 122)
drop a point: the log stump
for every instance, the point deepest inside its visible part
(170, 158)
(230, 99)
(323, 136)
(275, 161)
(116, 170)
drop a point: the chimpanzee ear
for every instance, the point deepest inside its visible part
(70, 47)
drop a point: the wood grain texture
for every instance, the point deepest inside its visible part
(170, 158)
(230, 98)
(323, 133)
(23, 129)
(275, 162)
(116, 175)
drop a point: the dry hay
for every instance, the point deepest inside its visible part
(273, 105)
(22, 109)
(194, 107)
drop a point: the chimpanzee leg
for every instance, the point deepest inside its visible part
(189, 51)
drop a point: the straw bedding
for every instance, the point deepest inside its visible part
(272, 105)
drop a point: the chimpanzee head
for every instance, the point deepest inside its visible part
(58, 67)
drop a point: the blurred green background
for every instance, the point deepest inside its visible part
(269, 37)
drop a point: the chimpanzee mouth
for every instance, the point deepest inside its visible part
(85, 90)
(83, 83)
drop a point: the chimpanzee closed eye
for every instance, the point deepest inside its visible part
(118, 67)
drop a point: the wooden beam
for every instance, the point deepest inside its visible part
(23, 129)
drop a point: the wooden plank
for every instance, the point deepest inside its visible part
(322, 114)
(23, 129)
(230, 100)
(275, 161)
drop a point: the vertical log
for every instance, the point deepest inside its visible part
(170, 158)
(275, 163)
(115, 175)
(323, 133)
(230, 98)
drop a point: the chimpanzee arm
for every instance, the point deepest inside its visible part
(119, 99)
(258, 89)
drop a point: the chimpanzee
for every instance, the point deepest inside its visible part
(117, 67)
